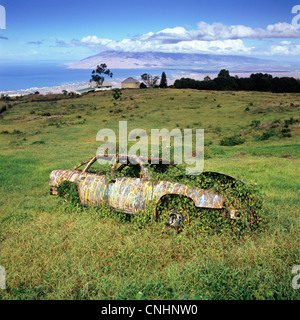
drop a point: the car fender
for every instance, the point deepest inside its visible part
(201, 198)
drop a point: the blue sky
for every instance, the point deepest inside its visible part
(73, 29)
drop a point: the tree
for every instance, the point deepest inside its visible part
(261, 82)
(256, 82)
(163, 81)
(97, 74)
(224, 74)
(207, 78)
(149, 80)
(224, 83)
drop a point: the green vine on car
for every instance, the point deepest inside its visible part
(68, 190)
(244, 210)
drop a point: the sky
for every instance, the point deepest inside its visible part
(69, 30)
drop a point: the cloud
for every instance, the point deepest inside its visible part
(3, 38)
(131, 45)
(285, 48)
(35, 42)
(93, 40)
(219, 31)
(214, 38)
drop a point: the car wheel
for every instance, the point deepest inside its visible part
(177, 218)
(175, 212)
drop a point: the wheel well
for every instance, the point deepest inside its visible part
(166, 198)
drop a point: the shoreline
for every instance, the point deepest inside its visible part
(70, 87)
(74, 86)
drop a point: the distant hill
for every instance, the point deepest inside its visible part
(159, 60)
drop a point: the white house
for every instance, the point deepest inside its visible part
(105, 86)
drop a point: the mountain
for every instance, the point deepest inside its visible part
(159, 60)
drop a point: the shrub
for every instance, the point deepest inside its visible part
(38, 142)
(291, 121)
(3, 109)
(232, 141)
(286, 133)
(255, 123)
(266, 135)
(217, 130)
(68, 190)
(17, 132)
(5, 97)
(116, 93)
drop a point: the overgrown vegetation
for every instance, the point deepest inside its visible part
(232, 141)
(52, 250)
(242, 214)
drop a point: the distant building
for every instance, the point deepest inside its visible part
(85, 90)
(130, 83)
(95, 87)
(105, 86)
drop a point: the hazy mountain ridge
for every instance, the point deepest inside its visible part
(205, 62)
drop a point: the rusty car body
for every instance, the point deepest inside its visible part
(127, 194)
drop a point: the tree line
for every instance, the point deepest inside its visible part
(256, 82)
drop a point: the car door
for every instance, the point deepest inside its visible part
(130, 195)
(92, 188)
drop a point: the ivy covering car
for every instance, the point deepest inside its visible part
(129, 187)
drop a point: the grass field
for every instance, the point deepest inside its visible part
(52, 253)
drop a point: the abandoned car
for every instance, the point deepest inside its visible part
(130, 194)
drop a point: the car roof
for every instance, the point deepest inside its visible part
(132, 158)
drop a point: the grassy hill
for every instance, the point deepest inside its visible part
(50, 252)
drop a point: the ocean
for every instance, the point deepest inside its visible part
(27, 77)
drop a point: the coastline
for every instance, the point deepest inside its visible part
(70, 87)
(116, 83)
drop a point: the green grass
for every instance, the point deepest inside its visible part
(50, 252)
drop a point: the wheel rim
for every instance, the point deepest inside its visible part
(177, 219)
